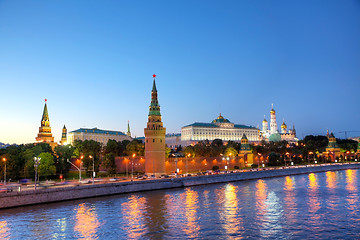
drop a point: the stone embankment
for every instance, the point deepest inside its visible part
(22, 198)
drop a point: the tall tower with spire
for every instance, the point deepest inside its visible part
(128, 131)
(44, 134)
(273, 124)
(154, 138)
(63, 140)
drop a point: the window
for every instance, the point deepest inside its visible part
(154, 140)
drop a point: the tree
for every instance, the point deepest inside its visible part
(109, 163)
(47, 165)
(135, 147)
(230, 151)
(63, 154)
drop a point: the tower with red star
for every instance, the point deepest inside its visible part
(154, 138)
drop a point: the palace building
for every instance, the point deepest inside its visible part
(45, 135)
(98, 135)
(154, 138)
(220, 128)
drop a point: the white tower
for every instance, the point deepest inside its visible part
(273, 124)
(265, 125)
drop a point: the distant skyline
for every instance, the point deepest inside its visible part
(94, 60)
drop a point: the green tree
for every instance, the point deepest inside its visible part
(230, 151)
(109, 163)
(47, 165)
(135, 147)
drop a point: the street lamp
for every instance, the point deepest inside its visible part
(79, 169)
(36, 165)
(93, 169)
(132, 166)
(187, 172)
(4, 159)
(176, 160)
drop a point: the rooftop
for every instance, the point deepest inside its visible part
(97, 131)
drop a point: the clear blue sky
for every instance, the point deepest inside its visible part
(93, 61)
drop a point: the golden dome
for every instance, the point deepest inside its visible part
(283, 125)
(264, 120)
(272, 111)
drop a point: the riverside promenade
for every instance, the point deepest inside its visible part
(65, 193)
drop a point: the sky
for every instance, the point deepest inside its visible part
(94, 61)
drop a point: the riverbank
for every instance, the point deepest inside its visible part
(29, 197)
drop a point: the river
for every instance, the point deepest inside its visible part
(310, 206)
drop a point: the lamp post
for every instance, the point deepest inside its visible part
(132, 166)
(36, 165)
(175, 164)
(227, 163)
(187, 172)
(93, 169)
(4, 159)
(79, 169)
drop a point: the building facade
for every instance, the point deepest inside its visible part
(220, 128)
(154, 138)
(98, 135)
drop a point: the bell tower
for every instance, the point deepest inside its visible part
(154, 138)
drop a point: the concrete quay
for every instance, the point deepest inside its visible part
(29, 197)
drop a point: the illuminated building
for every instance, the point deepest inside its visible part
(245, 151)
(332, 148)
(154, 138)
(98, 135)
(63, 140)
(220, 128)
(44, 135)
(273, 134)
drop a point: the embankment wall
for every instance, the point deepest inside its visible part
(28, 197)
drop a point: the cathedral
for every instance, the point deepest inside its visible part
(273, 133)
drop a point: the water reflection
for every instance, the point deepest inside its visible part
(232, 222)
(86, 222)
(351, 187)
(314, 203)
(4, 230)
(331, 180)
(155, 215)
(191, 205)
(132, 211)
(260, 196)
(290, 201)
(60, 226)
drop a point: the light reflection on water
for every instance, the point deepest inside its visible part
(321, 205)
(4, 230)
(86, 222)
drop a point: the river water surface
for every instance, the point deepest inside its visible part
(310, 206)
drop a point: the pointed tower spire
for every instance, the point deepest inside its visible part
(128, 131)
(45, 121)
(63, 140)
(154, 108)
(44, 134)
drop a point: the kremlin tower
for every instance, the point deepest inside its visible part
(128, 131)
(44, 134)
(273, 124)
(63, 140)
(154, 138)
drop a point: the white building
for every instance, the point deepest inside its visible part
(98, 135)
(219, 128)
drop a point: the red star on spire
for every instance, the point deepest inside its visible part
(45, 100)
(154, 76)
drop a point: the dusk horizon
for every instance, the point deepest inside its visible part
(94, 63)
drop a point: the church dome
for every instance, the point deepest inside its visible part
(283, 125)
(265, 121)
(220, 119)
(272, 111)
